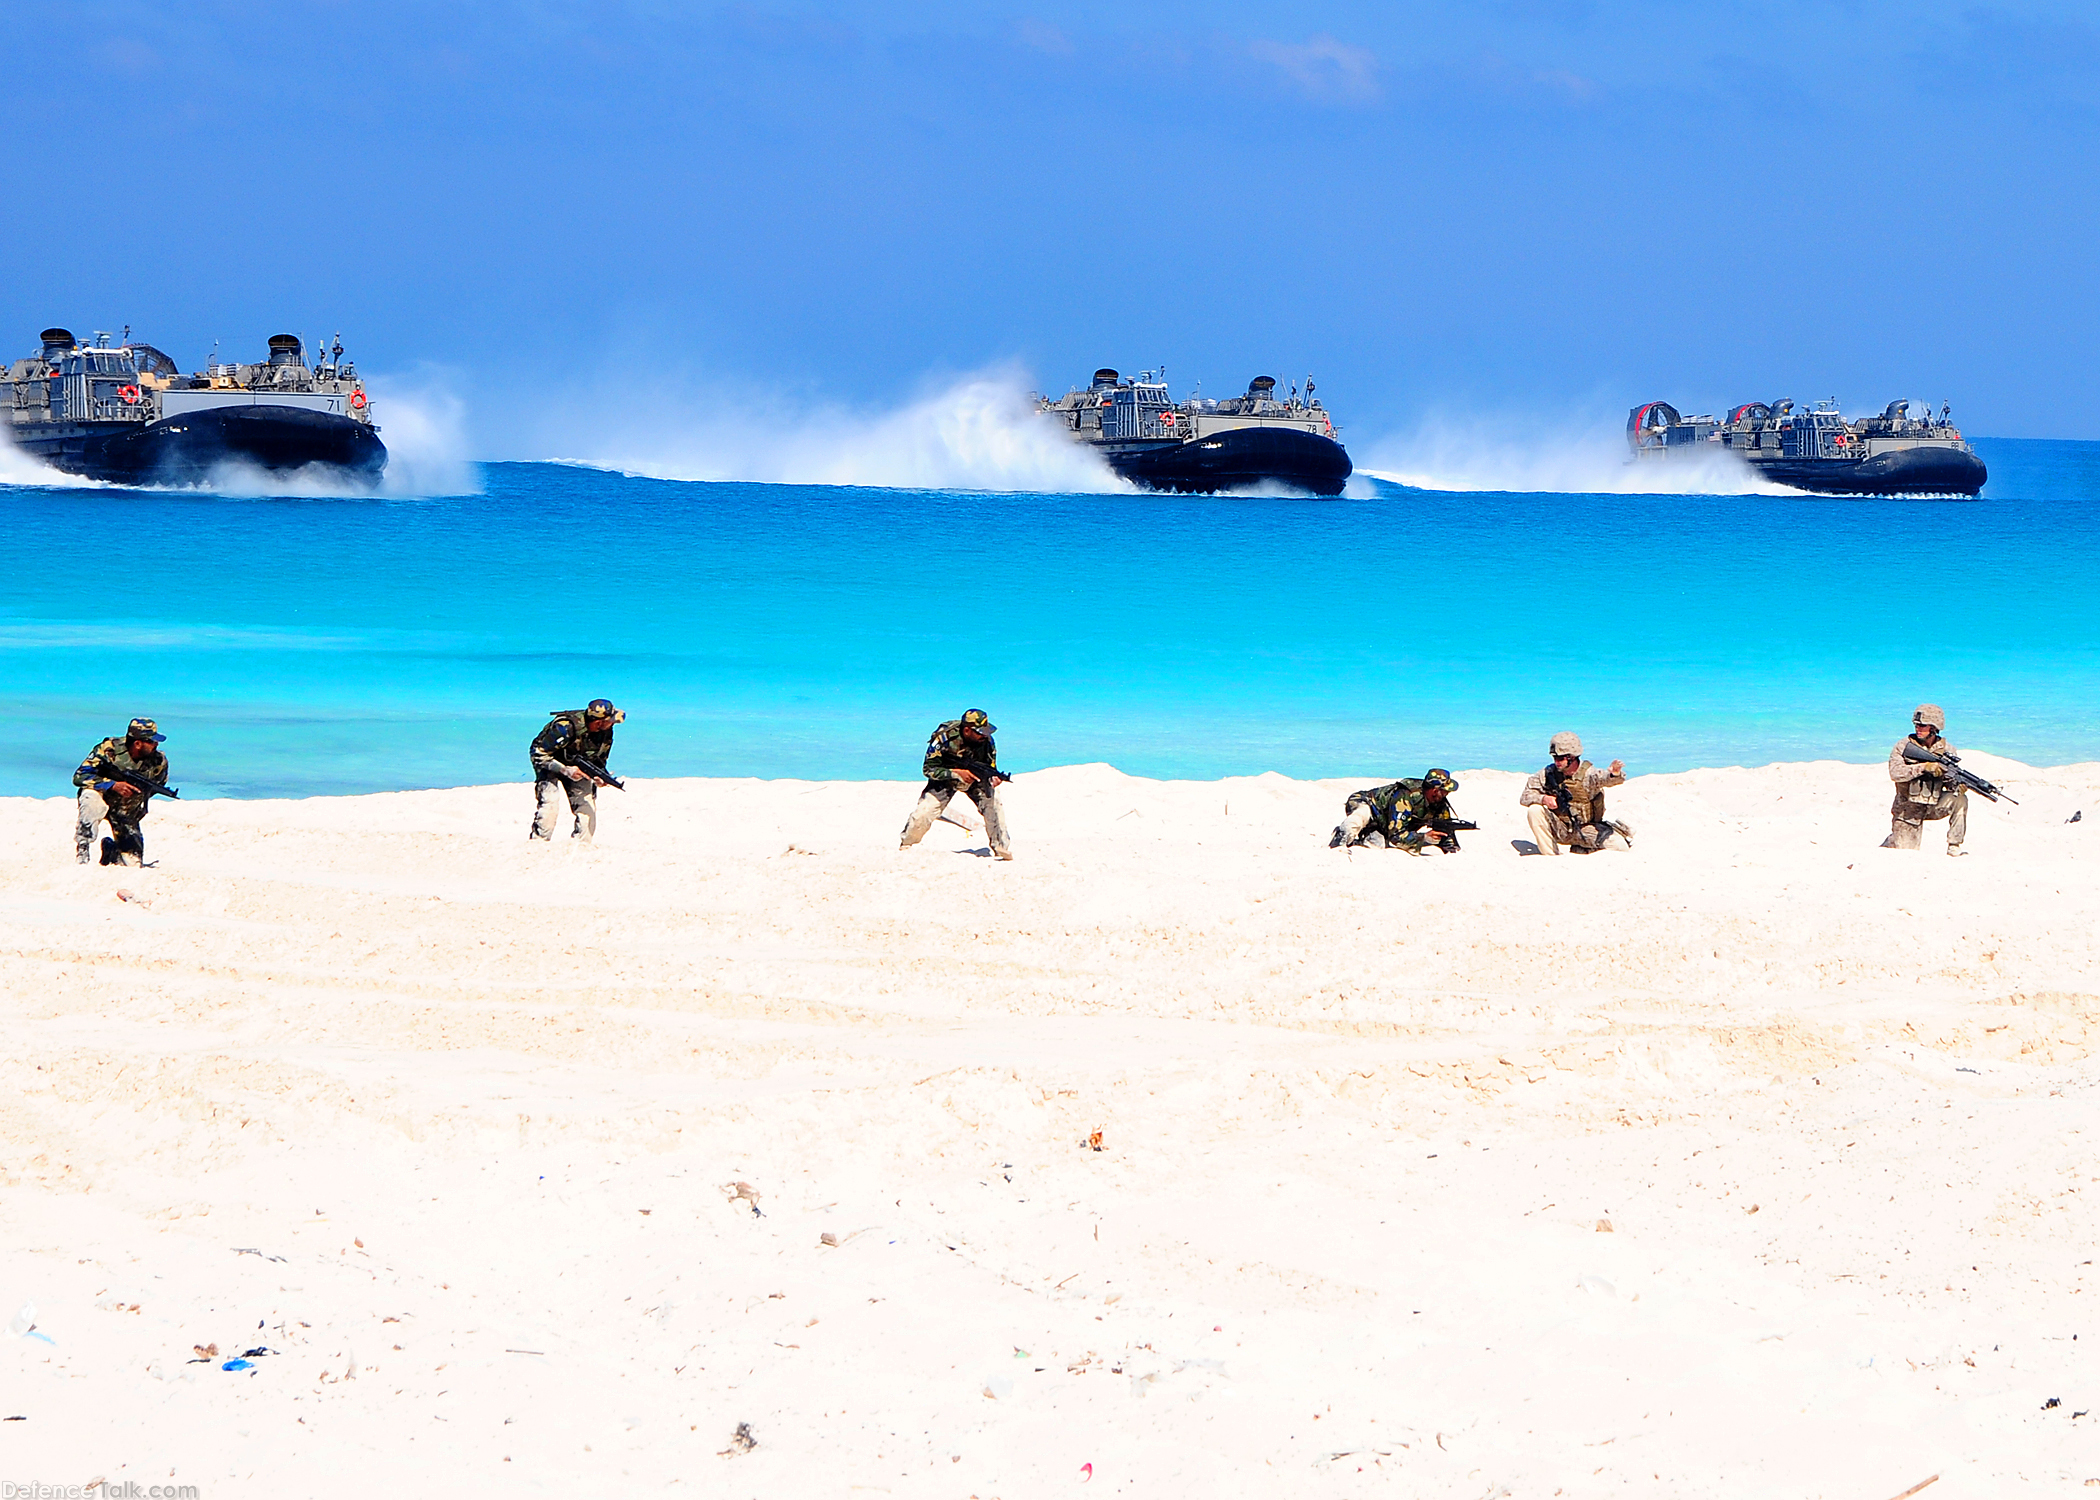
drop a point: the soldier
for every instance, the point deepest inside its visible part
(1925, 792)
(121, 804)
(572, 734)
(961, 757)
(1397, 816)
(1564, 803)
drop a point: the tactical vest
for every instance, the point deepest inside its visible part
(1584, 806)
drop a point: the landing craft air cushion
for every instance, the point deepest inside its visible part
(1892, 454)
(1201, 447)
(124, 414)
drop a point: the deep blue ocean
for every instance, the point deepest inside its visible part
(300, 646)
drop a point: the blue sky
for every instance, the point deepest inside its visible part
(1513, 208)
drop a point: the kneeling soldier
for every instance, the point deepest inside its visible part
(1400, 815)
(1564, 803)
(1925, 792)
(573, 734)
(961, 757)
(103, 796)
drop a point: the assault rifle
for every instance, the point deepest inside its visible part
(1555, 782)
(592, 768)
(984, 773)
(146, 784)
(1919, 755)
(1449, 827)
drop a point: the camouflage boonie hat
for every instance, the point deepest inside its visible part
(1439, 780)
(1567, 742)
(980, 721)
(602, 708)
(1931, 713)
(144, 729)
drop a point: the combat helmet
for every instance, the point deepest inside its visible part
(1930, 713)
(1567, 742)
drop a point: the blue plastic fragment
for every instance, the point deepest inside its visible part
(238, 1364)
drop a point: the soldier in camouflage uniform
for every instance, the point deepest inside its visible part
(1564, 803)
(956, 748)
(1925, 792)
(572, 733)
(102, 798)
(1397, 815)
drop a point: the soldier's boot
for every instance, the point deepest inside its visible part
(1340, 834)
(1372, 840)
(109, 853)
(131, 848)
(1955, 851)
(84, 845)
(1623, 830)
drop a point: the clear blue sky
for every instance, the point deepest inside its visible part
(1523, 206)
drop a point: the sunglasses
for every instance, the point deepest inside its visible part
(1567, 757)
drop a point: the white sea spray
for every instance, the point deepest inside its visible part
(19, 468)
(1569, 453)
(976, 432)
(423, 423)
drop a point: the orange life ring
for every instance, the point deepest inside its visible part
(130, 393)
(357, 400)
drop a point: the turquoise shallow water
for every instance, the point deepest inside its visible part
(298, 646)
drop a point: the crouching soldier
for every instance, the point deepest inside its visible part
(1401, 815)
(1926, 792)
(1564, 803)
(961, 757)
(572, 735)
(106, 796)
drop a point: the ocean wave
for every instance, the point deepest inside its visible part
(980, 432)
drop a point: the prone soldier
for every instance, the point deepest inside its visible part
(1564, 803)
(1401, 815)
(111, 798)
(573, 734)
(962, 757)
(1925, 790)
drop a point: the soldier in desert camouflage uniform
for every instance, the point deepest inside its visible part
(1925, 792)
(1564, 803)
(573, 733)
(102, 798)
(1396, 816)
(960, 757)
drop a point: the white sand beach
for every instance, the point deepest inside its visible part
(1758, 1161)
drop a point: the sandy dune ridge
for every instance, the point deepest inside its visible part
(451, 1126)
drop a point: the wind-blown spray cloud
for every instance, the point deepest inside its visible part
(1527, 455)
(980, 432)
